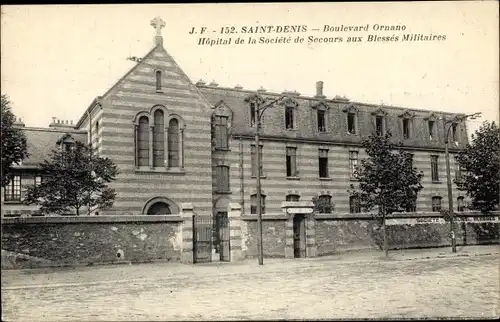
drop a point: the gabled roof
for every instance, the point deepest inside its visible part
(41, 141)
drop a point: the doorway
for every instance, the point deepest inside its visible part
(299, 236)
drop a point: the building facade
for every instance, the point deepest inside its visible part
(176, 142)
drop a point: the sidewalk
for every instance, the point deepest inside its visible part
(370, 255)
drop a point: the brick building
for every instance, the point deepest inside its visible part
(179, 142)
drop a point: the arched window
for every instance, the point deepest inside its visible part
(253, 203)
(436, 204)
(159, 208)
(173, 143)
(159, 139)
(158, 80)
(292, 197)
(143, 142)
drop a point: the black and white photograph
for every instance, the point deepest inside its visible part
(250, 161)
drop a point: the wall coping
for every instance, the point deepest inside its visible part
(265, 217)
(368, 215)
(90, 219)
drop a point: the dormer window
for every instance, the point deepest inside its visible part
(321, 121)
(289, 117)
(351, 118)
(379, 125)
(407, 124)
(66, 143)
(351, 123)
(252, 112)
(406, 128)
(290, 109)
(321, 116)
(430, 124)
(158, 80)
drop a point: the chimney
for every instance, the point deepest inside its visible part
(261, 90)
(238, 86)
(319, 90)
(61, 124)
(200, 83)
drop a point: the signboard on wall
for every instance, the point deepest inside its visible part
(299, 210)
(438, 220)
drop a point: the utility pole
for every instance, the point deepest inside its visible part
(450, 123)
(260, 105)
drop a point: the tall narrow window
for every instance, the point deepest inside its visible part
(291, 162)
(351, 123)
(353, 164)
(289, 117)
(321, 121)
(253, 204)
(254, 160)
(158, 139)
(323, 163)
(158, 80)
(436, 204)
(143, 142)
(406, 128)
(379, 125)
(252, 113)
(221, 132)
(38, 180)
(354, 205)
(173, 143)
(454, 133)
(12, 191)
(222, 178)
(430, 125)
(460, 204)
(434, 168)
(292, 197)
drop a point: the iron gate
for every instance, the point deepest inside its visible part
(202, 239)
(222, 233)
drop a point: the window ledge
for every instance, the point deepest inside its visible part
(353, 179)
(325, 179)
(223, 192)
(437, 182)
(13, 202)
(159, 91)
(223, 149)
(262, 177)
(349, 133)
(160, 170)
(293, 178)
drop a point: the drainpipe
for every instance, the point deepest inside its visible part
(242, 186)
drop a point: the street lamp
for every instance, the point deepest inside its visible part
(454, 121)
(260, 105)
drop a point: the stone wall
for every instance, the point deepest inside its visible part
(63, 241)
(337, 233)
(331, 234)
(273, 233)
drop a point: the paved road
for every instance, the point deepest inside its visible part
(300, 289)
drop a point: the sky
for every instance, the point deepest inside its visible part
(57, 59)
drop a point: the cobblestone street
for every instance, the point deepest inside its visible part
(298, 289)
